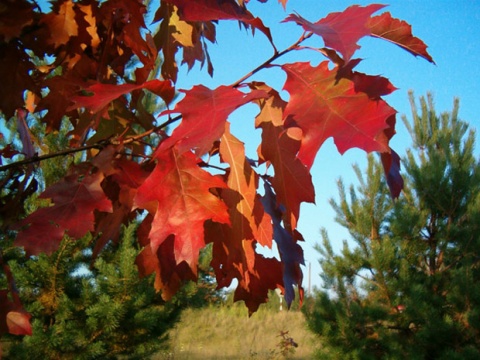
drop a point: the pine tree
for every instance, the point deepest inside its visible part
(410, 286)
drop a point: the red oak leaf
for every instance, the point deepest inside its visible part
(61, 23)
(102, 94)
(211, 10)
(398, 32)
(268, 276)
(122, 178)
(204, 113)
(178, 193)
(341, 30)
(334, 109)
(234, 258)
(251, 222)
(169, 276)
(75, 199)
(292, 180)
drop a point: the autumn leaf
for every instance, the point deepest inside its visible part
(178, 193)
(61, 23)
(100, 95)
(398, 32)
(75, 199)
(251, 222)
(204, 113)
(290, 252)
(15, 69)
(18, 323)
(169, 276)
(279, 147)
(208, 10)
(13, 319)
(341, 30)
(335, 109)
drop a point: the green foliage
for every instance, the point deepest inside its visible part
(83, 313)
(410, 287)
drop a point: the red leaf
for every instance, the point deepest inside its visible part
(18, 323)
(178, 194)
(103, 94)
(398, 32)
(335, 109)
(233, 258)
(391, 166)
(169, 276)
(75, 199)
(13, 319)
(208, 10)
(292, 180)
(204, 113)
(341, 30)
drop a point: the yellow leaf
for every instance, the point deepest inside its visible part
(183, 33)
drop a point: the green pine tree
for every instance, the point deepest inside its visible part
(410, 286)
(82, 313)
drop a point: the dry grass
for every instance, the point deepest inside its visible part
(228, 333)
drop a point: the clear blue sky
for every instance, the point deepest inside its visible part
(451, 29)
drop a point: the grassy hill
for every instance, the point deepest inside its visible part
(226, 332)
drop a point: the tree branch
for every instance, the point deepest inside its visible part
(102, 144)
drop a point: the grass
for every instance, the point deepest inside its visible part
(227, 332)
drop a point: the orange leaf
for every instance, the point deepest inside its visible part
(251, 222)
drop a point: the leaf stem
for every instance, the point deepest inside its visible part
(274, 57)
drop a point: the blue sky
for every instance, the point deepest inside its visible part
(450, 29)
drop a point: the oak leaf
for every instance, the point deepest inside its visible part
(75, 199)
(178, 193)
(255, 224)
(61, 23)
(204, 113)
(212, 10)
(341, 30)
(335, 109)
(100, 95)
(279, 147)
(398, 32)
(291, 253)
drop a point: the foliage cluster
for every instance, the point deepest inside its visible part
(410, 288)
(88, 65)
